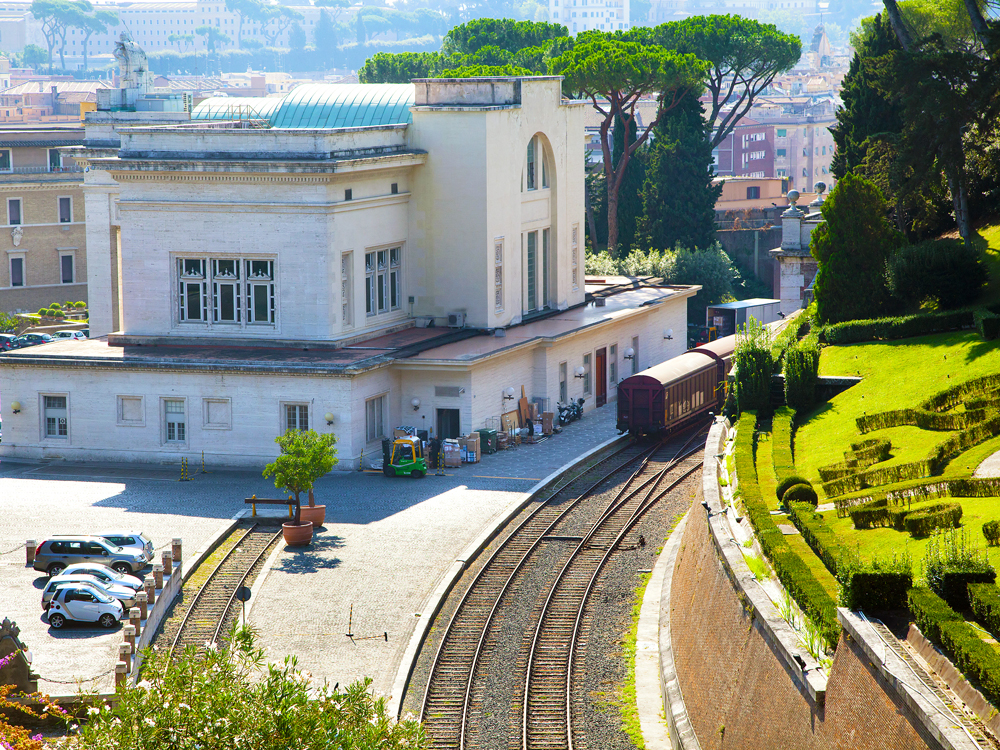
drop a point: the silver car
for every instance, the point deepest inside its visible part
(104, 574)
(83, 603)
(122, 593)
(54, 554)
(130, 540)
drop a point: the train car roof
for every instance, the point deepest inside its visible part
(690, 361)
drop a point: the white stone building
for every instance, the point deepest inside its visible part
(366, 257)
(588, 15)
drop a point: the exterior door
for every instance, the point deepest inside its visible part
(448, 423)
(601, 362)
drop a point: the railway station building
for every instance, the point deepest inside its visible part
(346, 258)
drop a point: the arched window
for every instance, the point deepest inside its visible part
(536, 163)
(532, 183)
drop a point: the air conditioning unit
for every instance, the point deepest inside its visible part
(456, 320)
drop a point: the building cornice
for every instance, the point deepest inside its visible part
(388, 199)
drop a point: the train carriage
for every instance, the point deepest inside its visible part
(674, 392)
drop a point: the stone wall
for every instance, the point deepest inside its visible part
(739, 245)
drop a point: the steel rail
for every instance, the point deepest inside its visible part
(243, 578)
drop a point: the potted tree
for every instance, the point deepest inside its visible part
(305, 457)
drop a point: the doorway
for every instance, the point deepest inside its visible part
(448, 424)
(601, 362)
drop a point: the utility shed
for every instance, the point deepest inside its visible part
(730, 315)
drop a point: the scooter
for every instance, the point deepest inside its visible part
(576, 409)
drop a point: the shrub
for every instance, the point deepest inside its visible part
(991, 530)
(801, 493)
(871, 514)
(930, 611)
(788, 482)
(923, 522)
(951, 562)
(44, 311)
(888, 329)
(947, 271)
(55, 306)
(801, 374)
(987, 323)
(877, 476)
(984, 599)
(875, 584)
(977, 660)
(781, 446)
(58, 314)
(80, 305)
(816, 534)
(753, 365)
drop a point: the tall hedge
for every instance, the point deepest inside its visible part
(781, 443)
(947, 271)
(753, 364)
(801, 373)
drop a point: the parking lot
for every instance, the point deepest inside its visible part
(385, 545)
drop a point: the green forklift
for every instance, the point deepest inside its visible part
(403, 457)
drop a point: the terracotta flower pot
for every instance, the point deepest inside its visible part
(297, 534)
(314, 513)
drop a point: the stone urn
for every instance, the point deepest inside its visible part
(313, 512)
(297, 534)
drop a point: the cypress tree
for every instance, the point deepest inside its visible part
(678, 196)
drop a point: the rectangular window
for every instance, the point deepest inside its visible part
(55, 160)
(805, 151)
(173, 420)
(65, 210)
(225, 291)
(17, 271)
(531, 268)
(297, 417)
(374, 418)
(613, 365)
(562, 382)
(824, 150)
(14, 211)
(545, 268)
(530, 172)
(545, 168)
(56, 424)
(586, 374)
(383, 281)
(498, 274)
(395, 278)
(259, 290)
(130, 411)
(575, 254)
(66, 268)
(753, 193)
(193, 289)
(5, 160)
(349, 194)
(782, 132)
(781, 152)
(635, 354)
(346, 301)
(394, 188)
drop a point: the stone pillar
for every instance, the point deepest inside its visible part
(121, 672)
(158, 576)
(167, 562)
(135, 619)
(125, 655)
(29, 551)
(149, 586)
(141, 600)
(175, 549)
(128, 633)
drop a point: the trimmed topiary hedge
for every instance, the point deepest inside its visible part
(801, 493)
(987, 323)
(781, 444)
(925, 420)
(944, 516)
(888, 329)
(787, 483)
(991, 530)
(984, 599)
(871, 515)
(816, 534)
(801, 373)
(876, 477)
(794, 574)
(874, 585)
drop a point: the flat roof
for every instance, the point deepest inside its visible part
(740, 304)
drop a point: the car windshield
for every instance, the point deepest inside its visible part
(101, 596)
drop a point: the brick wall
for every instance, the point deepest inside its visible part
(739, 693)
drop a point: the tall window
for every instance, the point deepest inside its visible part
(545, 268)
(586, 373)
(562, 382)
(530, 171)
(297, 417)
(613, 365)
(635, 354)
(55, 160)
(260, 290)
(346, 301)
(193, 289)
(173, 420)
(532, 263)
(66, 268)
(14, 211)
(383, 280)
(498, 274)
(5, 165)
(225, 291)
(236, 292)
(56, 424)
(374, 418)
(65, 210)
(17, 271)
(575, 254)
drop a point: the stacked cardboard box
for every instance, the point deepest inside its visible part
(470, 448)
(452, 453)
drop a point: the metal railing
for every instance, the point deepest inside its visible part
(40, 170)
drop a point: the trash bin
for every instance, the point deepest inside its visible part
(488, 441)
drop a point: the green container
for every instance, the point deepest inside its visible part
(488, 441)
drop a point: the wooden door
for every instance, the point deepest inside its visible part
(601, 365)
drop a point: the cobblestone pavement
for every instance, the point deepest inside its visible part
(385, 545)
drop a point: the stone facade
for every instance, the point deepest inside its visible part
(796, 268)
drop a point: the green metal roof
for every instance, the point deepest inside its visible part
(236, 108)
(340, 105)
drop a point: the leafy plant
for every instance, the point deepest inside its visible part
(951, 562)
(753, 365)
(801, 493)
(991, 530)
(13, 736)
(305, 457)
(947, 271)
(758, 567)
(787, 483)
(8, 323)
(801, 374)
(881, 583)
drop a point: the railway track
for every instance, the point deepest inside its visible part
(211, 612)
(584, 529)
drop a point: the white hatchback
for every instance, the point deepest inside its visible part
(83, 603)
(124, 594)
(104, 574)
(76, 335)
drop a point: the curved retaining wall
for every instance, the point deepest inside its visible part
(732, 675)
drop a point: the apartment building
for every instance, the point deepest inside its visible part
(587, 15)
(746, 152)
(41, 206)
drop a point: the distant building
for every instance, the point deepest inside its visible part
(47, 100)
(748, 151)
(590, 15)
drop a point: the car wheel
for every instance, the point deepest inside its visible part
(108, 620)
(56, 568)
(57, 621)
(122, 568)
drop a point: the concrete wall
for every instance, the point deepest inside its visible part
(739, 245)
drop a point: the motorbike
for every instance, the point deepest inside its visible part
(570, 412)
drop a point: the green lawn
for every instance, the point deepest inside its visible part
(990, 242)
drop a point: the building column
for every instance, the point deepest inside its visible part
(102, 261)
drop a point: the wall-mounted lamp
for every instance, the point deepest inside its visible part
(329, 418)
(580, 372)
(630, 353)
(669, 334)
(16, 407)
(415, 403)
(508, 394)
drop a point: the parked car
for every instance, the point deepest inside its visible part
(78, 335)
(8, 341)
(53, 555)
(104, 574)
(130, 540)
(122, 593)
(83, 603)
(33, 339)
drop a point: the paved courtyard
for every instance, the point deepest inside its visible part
(385, 545)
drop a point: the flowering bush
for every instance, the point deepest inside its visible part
(13, 737)
(231, 699)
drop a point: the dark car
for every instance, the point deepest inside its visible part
(33, 339)
(8, 341)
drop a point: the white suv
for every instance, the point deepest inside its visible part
(131, 541)
(83, 603)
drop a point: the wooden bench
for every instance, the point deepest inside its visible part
(254, 501)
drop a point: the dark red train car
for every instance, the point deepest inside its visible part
(673, 392)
